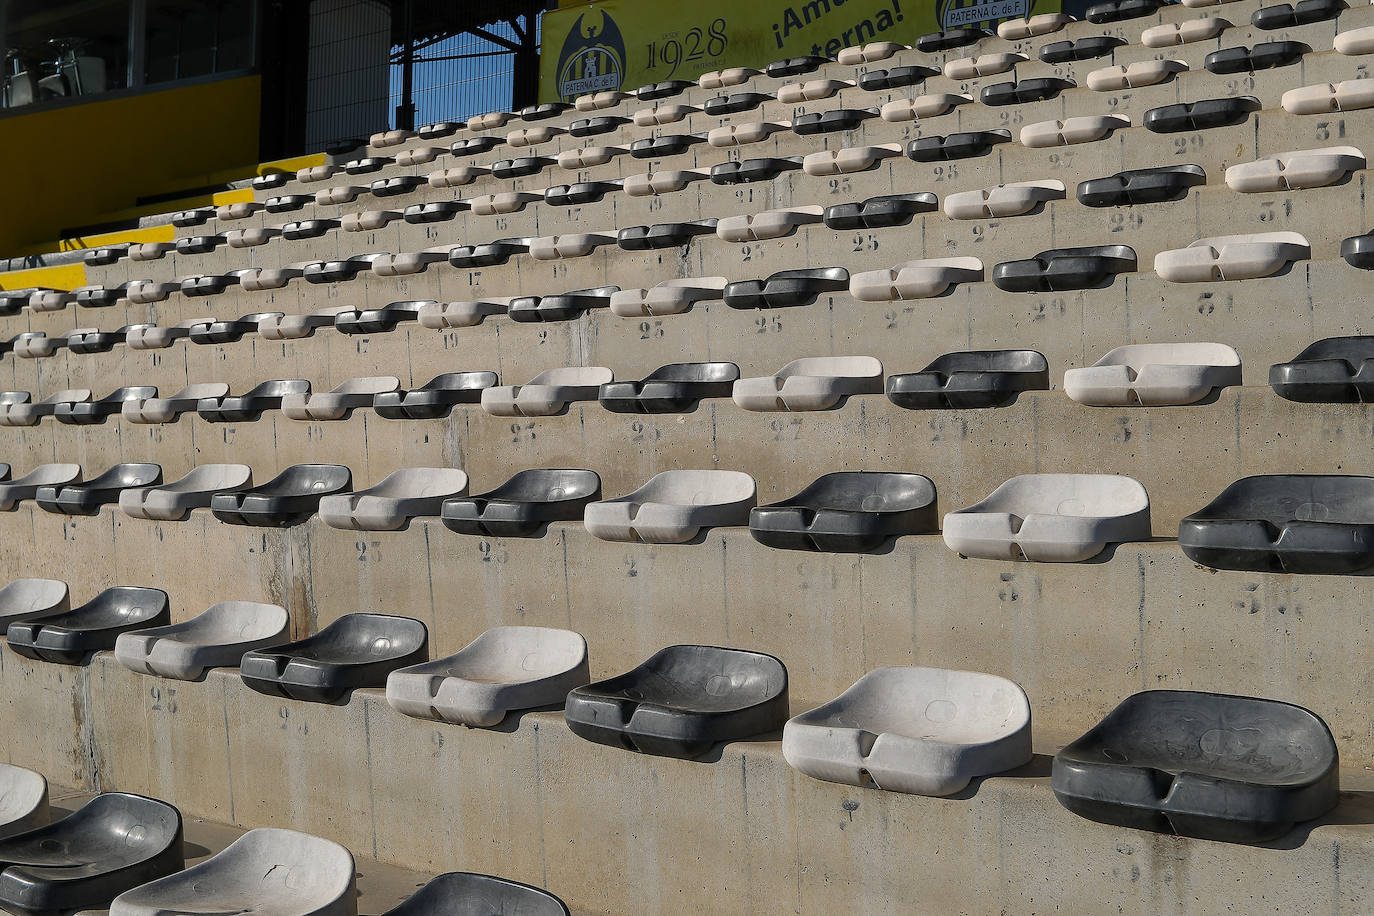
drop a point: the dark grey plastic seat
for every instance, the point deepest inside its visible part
(786, 288)
(848, 512)
(460, 893)
(560, 306)
(357, 650)
(1206, 765)
(436, 398)
(376, 321)
(114, 842)
(1060, 269)
(230, 331)
(66, 639)
(87, 498)
(94, 340)
(290, 497)
(971, 379)
(683, 701)
(524, 504)
(1330, 371)
(1141, 186)
(1086, 48)
(1294, 523)
(250, 405)
(951, 147)
(880, 212)
(670, 389)
(86, 413)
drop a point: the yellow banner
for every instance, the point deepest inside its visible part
(615, 44)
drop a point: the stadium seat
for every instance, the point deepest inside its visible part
(289, 498)
(27, 413)
(1154, 375)
(922, 731)
(296, 327)
(213, 331)
(770, 224)
(970, 379)
(66, 639)
(675, 388)
(812, 383)
(86, 413)
(922, 279)
(882, 212)
(339, 402)
(32, 599)
(1004, 200)
(13, 492)
(1232, 257)
(23, 800)
(251, 404)
(357, 650)
(216, 638)
(1059, 518)
(1071, 131)
(668, 297)
(37, 345)
(1324, 98)
(174, 501)
(504, 670)
(87, 497)
(972, 68)
(1135, 75)
(848, 512)
(1332, 370)
(548, 393)
(673, 507)
(390, 505)
(457, 892)
(524, 504)
(143, 292)
(1141, 186)
(786, 288)
(1264, 56)
(559, 306)
(1205, 765)
(1063, 269)
(1294, 171)
(377, 320)
(683, 701)
(436, 398)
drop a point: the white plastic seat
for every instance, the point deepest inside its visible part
(533, 136)
(1169, 34)
(342, 194)
(1002, 200)
(150, 251)
(502, 203)
(923, 731)
(671, 181)
(145, 292)
(728, 136)
(28, 413)
(265, 872)
(1042, 24)
(491, 120)
(339, 401)
(1326, 98)
(662, 113)
(1232, 257)
(1153, 375)
(37, 345)
(23, 800)
(174, 501)
(824, 163)
(811, 383)
(869, 53)
(12, 492)
(157, 337)
(391, 504)
(408, 263)
(368, 220)
(811, 90)
(673, 507)
(240, 210)
(1085, 129)
(263, 279)
(169, 409)
(389, 138)
(295, 327)
(599, 101)
(588, 156)
(50, 300)
(31, 599)
(250, 237)
(1355, 41)
(1311, 168)
(920, 279)
(456, 177)
(968, 68)
(504, 670)
(419, 155)
(770, 224)
(1134, 75)
(547, 393)
(316, 173)
(1060, 518)
(670, 297)
(722, 79)
(930, 105)
(572, 245)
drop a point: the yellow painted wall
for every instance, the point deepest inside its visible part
(72, 166)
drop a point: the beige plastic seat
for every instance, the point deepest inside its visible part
(158, 337)
(1311, 168)
(920, 279)
(1084, 129)
(50, 300)
(457, 176)
(533, 136)
(240, 210)
(37, 345)
(1232, 257)
(261, 279)
(368, 220)
(408, 263)
(316, 173)
(390, 505)
(1169, 34)
(598, 101)
(169, 409)
(587, 157)
(1042, 24)
(869, 53)
(388, 138)
(502, 203)
(731, 135)
(295, 327)
(662, 113)
(1326, 98)
(12, 492)
(547, 393)
(23, 793)
(811, 383)
(930, 105)
(723, 79)
(491, 120)
(573, 245)
(1052, 518)
(674, 507)
(652, 184)
(216, 638)
(504, 670)
(419, 155)
(175, 501)
(250, 237)
(1154, 375)
(338, 402)
(824, 163)
(145, 292)
(811, 90)
(150, 251)
(670, 297)
(770, 224)
(441, 316)
(340, 194)
(1133, 76)
(1003, 200)
(968, 68)
(1355, 41)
